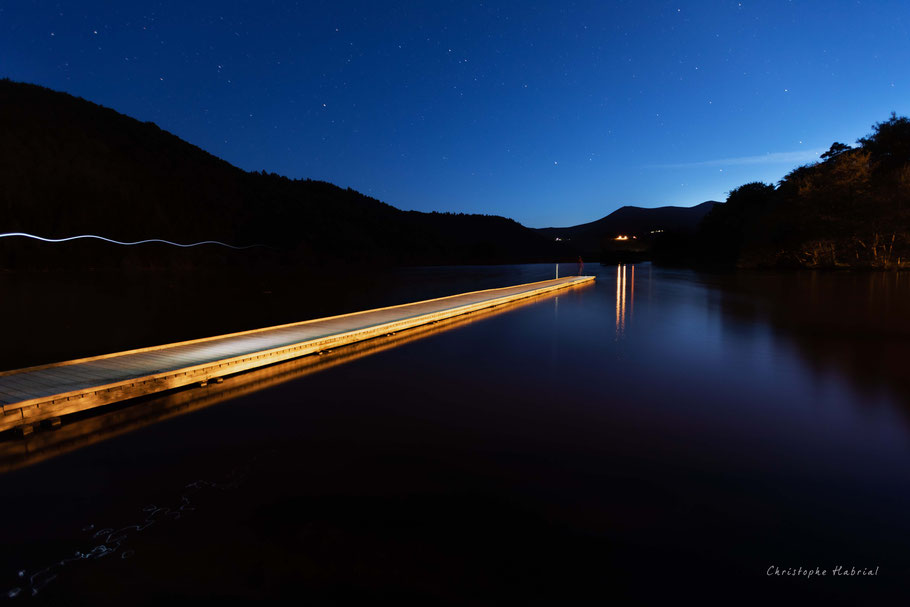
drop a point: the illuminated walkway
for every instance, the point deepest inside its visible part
(46, 392)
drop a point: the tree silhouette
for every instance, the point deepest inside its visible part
(851, 209)
(835, 149)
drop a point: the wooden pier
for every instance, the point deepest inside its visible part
(47, 392)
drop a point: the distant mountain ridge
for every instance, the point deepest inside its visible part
(588, 237)
(69, 166)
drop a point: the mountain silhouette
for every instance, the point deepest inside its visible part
(589, 238)
(69, 166)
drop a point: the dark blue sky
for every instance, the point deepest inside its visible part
(551, 113)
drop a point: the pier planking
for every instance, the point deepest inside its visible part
(34, 394)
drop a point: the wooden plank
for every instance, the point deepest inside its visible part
(119, 363)
(158, 361)
(17, 394)
(59, 373)
(7, 398)
(31, 378)
(30, 387)
(138, 360)
(75, 372)
(177, 359)
(22, 384)
(129, 368)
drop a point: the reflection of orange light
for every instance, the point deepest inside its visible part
(621, 237)
(621, 307)
(623, 317)
(620, 300)
(618, 296)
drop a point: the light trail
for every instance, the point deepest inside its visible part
(176, 244)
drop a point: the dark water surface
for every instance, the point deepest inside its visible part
(658, 436)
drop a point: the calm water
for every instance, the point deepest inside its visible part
(659, 435)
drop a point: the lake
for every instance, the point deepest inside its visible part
(658, 435)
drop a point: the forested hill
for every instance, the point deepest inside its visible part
(851, 209)
(69, 166)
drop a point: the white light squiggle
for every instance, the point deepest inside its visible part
(176, 244)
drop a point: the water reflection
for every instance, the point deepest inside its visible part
(854, 325)
(739, 421)
(622, 288)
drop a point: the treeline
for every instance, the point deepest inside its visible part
(850, 209)
(69, 166)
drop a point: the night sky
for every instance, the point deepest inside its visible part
(550, 113)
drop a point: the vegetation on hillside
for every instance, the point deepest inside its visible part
(850, 209)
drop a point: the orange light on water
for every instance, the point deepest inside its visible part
(620, 300)
(624, 307)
